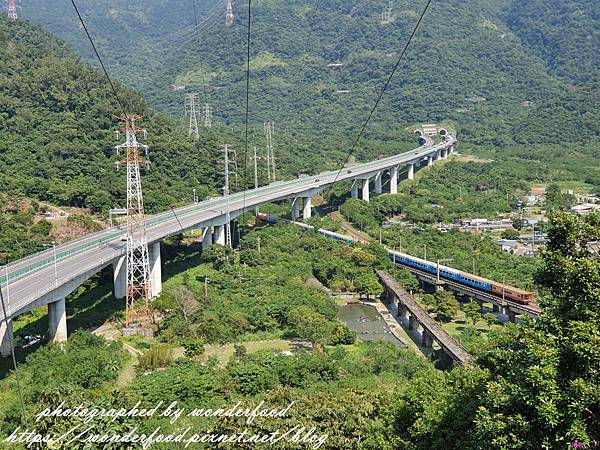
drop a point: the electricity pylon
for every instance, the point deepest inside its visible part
(12, 10)
(229, 17)
(137, 300)
(207, 116)
(386, 15)
(191, 103)
(270, 152)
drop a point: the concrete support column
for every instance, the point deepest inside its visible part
(437, 156)
(57, 321)
(295, 211)
(394, 180)
(355, 189)
(219, 234)
(120, 277)
(426, 339)
(411, 322)
(411, 171)
(307, 211)
(6, 332)
(444, 153)
(206, 237)
(400, 310)
(378, 187)
(495, 308)
(365, 190)
(511, 316)
(429, 161)
(451, 149)
(155, 269)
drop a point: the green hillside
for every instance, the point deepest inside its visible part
(474, 64)
(57, 122)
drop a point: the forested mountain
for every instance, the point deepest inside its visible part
(492, 68)
(564, 33)
(57, 122)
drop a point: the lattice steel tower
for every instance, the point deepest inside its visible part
(191, 105)
(207, 110)
(12, 10)
(229, 17)
(137, 306)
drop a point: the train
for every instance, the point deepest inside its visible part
(468, 279)
(267, 218)
(448, 273)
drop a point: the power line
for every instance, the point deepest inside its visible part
(248, 43)
(196, 19)
(12, 351)
(112, 86)
(353, 148)
(98, 56)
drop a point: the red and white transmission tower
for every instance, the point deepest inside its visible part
(137, 306)
(229, 17)
(12, 10)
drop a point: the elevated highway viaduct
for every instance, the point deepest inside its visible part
(47, 277)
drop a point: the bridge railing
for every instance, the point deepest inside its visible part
(62, 253)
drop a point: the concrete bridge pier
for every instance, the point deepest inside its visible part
(219, 234)
(378, 183)
(411, 171)
(508, 312)
(512, 317)
(394, 180)
(355, 189)
(444, 154)
(6, 332)
(307, 211)
(437, 156)
(120, 277)
(365, 190)
(495, 308)
(206, 237)
(155, 269)
(57, 321)
(429, 161)
(295, 211)
(426, 339)
(411, 322)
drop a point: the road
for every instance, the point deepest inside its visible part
(42, 274)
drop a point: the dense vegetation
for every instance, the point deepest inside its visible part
(534, 385)
(266, 291)
(480, 65)
(57, 122)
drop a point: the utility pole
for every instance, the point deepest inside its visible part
(229, 17)
(226, 195)
(270, 152)
(137, 300)
(438, 266)
(191, 103)
(206, 285)
(12, 10)
(256, 158)
(258, 243)
(207, 116)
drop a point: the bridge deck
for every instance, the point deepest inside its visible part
(450, 346)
